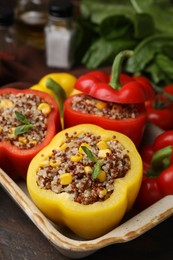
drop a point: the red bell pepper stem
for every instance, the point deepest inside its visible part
(59, 92)
(160, 161)
(116, 68)
(164, 93)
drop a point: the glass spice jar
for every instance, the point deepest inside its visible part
(31, 18)
(60, 34)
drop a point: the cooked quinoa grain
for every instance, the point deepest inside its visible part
(69, 169)
(29, 106)
(89, 105)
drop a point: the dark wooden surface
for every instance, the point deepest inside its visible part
(21, 240)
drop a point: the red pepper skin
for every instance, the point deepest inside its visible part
(154, 188)
(165, 181)
(161, 116)
(15, 161)
(132, 92)
(146, 85)
(124, 78)
(163, 140)
(149, 193)
(133, 128)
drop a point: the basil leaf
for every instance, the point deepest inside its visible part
(22, 118)
(98, 10)
(95, 56)
(97, 169)
(22, 129)
(143, 26)
(146, 50)
(89, 154)
(165, 64)
(161, 12)
(98, 163)
(123, 25)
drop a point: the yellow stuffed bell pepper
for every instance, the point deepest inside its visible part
(65, 80)
(87, 178)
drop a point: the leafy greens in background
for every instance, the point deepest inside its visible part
(107, 27)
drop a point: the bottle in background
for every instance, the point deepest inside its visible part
(7, 33)
(31, 18)
(60, 34)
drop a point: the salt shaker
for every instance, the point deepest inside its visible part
(60, 34)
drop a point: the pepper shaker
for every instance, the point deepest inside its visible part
(60, 35)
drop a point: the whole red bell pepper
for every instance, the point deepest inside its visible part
(122, 89)
(158, 170)
(160, 108)
(119, 88)
(15, 160)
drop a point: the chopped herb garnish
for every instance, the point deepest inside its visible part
(22, 128)
(98, 163)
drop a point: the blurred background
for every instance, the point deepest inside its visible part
(104, 28)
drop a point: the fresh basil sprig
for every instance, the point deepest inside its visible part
(98, 163)
(22, 128)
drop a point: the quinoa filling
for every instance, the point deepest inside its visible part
(89, 105)
(32, 109)
(70, 169)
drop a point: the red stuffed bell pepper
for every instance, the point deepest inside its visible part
(160, 108)
(115, 103)
(158, 170)
(28, 121)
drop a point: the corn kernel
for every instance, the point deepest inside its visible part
(76, 158)
(101, 176)
(6, 103)
(102, 193)
(65, 179)
(33, 142)
(101, 105)
(63, 147)
(102, 145)
(45, 108)
(88, 170)
(55, 163)
(13, 130)
(102, 153)
(83, 144)
(11, 134)
(22, 139)
(44, 163)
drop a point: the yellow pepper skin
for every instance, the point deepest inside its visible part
(92, 220)
(65, 80)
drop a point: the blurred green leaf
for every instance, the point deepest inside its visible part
(165, 64)
(98, 10)
(146, 51)
(161, 11)
(103, 52)
(116, 26)
(143, 26)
